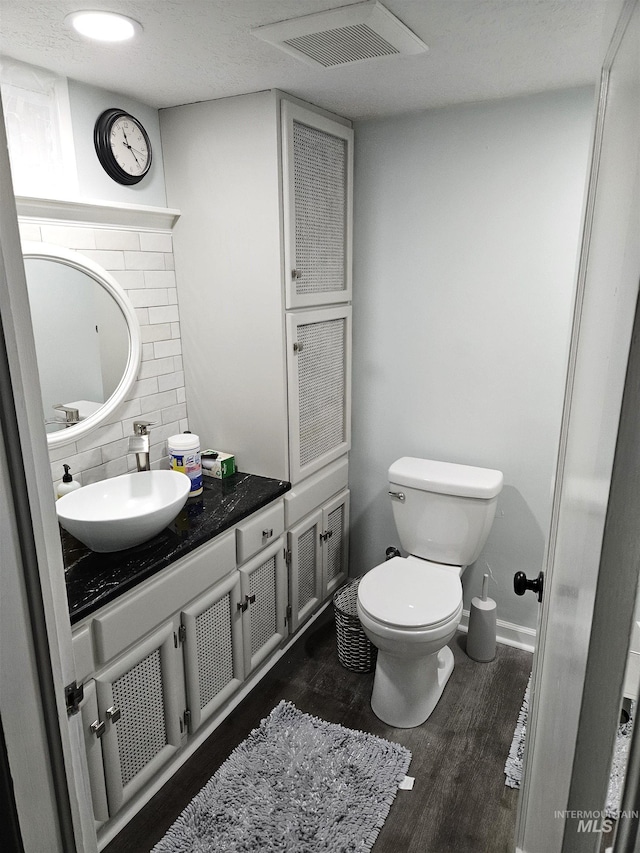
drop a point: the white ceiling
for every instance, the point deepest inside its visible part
(193, 50)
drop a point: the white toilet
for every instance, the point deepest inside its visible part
(410, 607)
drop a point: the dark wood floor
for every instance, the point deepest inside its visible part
(459, 803)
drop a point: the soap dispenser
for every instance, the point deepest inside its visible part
(68, 484)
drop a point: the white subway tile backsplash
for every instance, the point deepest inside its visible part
(159, 278)
(162, 349)
(110, 260)
(154, 241)
(100, 435)
(148, 298)
(115, 449)
(158, 401)
(106, 238)
(103, 472)
(143, 387)
(174, 413)
(142, 263)
(156, 367)
(69, 236)
(171, 380)
(143, 316)
(164, 314)
(130, 279)
(144, 260)
(159, 332)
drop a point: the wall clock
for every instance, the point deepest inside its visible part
(123, 146)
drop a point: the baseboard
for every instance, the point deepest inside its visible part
(507, 633)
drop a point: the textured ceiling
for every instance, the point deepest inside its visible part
(193, 50)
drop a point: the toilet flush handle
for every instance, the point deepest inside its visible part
(398, 495)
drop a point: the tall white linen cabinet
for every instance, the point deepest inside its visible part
(264, 183)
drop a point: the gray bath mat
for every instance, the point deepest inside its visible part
(513, 765)
(297, 784)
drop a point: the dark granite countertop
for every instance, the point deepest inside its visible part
(94, 579)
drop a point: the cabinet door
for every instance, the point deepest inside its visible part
(140, 701)
(318, 205)
(305, 568)
(212, 648)
(335, 542)
(319, 380)
(263, 589)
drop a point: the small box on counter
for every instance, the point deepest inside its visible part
(217, 464)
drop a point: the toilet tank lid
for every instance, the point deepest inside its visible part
(447, 478)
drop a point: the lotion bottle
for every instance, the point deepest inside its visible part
(68, 484)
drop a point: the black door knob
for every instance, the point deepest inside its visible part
(521, 584)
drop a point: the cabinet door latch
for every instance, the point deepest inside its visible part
(73, 694)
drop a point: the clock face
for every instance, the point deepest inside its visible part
(122, 146)
(129, 146)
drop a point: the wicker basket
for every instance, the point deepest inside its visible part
(355, 651)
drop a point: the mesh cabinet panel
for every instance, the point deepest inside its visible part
(141, 730)
(307, 549)
(335, 551)
(262, 584)
(215, 649)
(321, 383)
(320, 193)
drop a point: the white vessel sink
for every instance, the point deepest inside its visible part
(124, 511)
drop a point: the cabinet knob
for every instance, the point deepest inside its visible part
(97, 727)
(267, 533)
(113, 714)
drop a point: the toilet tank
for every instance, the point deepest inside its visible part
(447, 510)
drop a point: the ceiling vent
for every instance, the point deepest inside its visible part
(340, 36)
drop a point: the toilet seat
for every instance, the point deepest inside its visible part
(410, 593)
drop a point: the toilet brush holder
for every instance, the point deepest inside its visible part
(481, 637)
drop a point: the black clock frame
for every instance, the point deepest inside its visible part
(101, 133)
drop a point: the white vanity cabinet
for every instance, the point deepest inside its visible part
(263, 268)
(159, 661)
(317, 540)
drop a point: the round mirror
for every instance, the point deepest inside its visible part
(87, 340)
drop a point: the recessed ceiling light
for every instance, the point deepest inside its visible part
(103, 26)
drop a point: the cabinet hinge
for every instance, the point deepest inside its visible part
(289, 613)
(287, 556)
(297, 347)
(187, 719)
(182, 633)
(73, 694)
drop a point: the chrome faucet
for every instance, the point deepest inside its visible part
(71, 416)
(139, 444)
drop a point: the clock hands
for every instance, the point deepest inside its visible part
(133, 150)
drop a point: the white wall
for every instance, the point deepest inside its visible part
(466, 235)
(87, 103)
